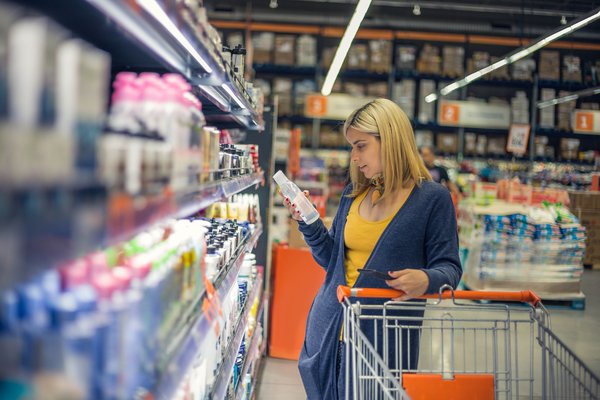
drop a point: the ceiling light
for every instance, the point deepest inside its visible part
(273, 4)
(570, 97)
(156, 11)
(563, 20)
(417, 9)
(522, 52)
(342, 50)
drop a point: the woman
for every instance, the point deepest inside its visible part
(392, 218)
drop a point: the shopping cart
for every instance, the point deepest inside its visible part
(466, 349)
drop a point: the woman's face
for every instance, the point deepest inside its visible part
(366, 152)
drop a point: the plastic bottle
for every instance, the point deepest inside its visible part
(289, 189)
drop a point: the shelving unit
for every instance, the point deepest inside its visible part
(141, 37)
(192, 337)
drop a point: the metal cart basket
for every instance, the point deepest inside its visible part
(466, 349)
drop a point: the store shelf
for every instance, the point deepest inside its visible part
(223, 377)
(559, 85)
(565, 134)
(143, 36)
(273, 69)
(250, 357)
(192, 337)
(302, 120)
(149, 211)
(257, 366)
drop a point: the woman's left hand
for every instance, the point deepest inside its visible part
(413, 282)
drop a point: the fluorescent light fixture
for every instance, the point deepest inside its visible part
(570, 97)
(519, 53)
(233, 96)
(431, 97)
(125, 20)
(342, 50)
(154, 9)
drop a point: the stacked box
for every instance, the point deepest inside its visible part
(470, 143)
(285, 49)
(549, 65)
(262, 47)
(496, 146)
(523, 69)
(301, 89)
(519, 108)
(429, 60)
(282, 87)
(380, 56)
(358, 56)
(355, 89)
(586, 206)
(378, 89)
(306, 51)
(481, 146)
(589, 106)
(540, 146)
(564, 112)
(406, 57)
(500, 73)
(447, 143)
(479, 60)
(424, 139)
(569, 148)
(426, 110)
(547, 113)
(571, 71)
(403, 94)
(453, 61)
(327, 57)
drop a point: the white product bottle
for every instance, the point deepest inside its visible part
(308, 213)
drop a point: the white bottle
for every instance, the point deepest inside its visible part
(289, 189)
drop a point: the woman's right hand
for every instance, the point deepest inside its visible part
(292, 207)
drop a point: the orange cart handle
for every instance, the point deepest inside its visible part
(524, 296)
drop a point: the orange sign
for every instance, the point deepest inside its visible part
(450, 113)
(316, 105)
(584, 121)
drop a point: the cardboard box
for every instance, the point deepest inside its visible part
(481, 148)
(564, 112)
(380, 56)
(262, 47)
(547, 113)
(549, 65)
(430, 61)
(285, 48)
(479, 60)
(496, 146)
(519, 108)
(403, 94)
(301, 89)
(358, 56)
(523, 69)
(424, 139)
(569, 148)
(447, 143)
(378, 89)
(470, 143)
(406, 58)
(355, 89)
(585, 202)
(283, 89)
(296, 239)
(306, 51)
(571, 71)
(453, 61)
(426, 110)
(327, 57)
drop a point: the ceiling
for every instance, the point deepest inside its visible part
(519, 18)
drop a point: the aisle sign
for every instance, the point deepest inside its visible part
(586, 121)
(474, 114)
(334, 106)
(518, 136)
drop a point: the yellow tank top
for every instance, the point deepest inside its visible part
(360, 238)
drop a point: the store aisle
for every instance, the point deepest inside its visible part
(578, 329)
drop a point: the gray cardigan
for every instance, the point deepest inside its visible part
(422, 235)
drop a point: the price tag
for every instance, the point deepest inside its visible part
(518, 136)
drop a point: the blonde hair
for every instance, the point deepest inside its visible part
(400, 158)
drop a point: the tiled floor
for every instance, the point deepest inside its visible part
(578, 329)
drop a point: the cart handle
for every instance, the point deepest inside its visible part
(524, 296)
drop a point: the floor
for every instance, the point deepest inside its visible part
(579, 330)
